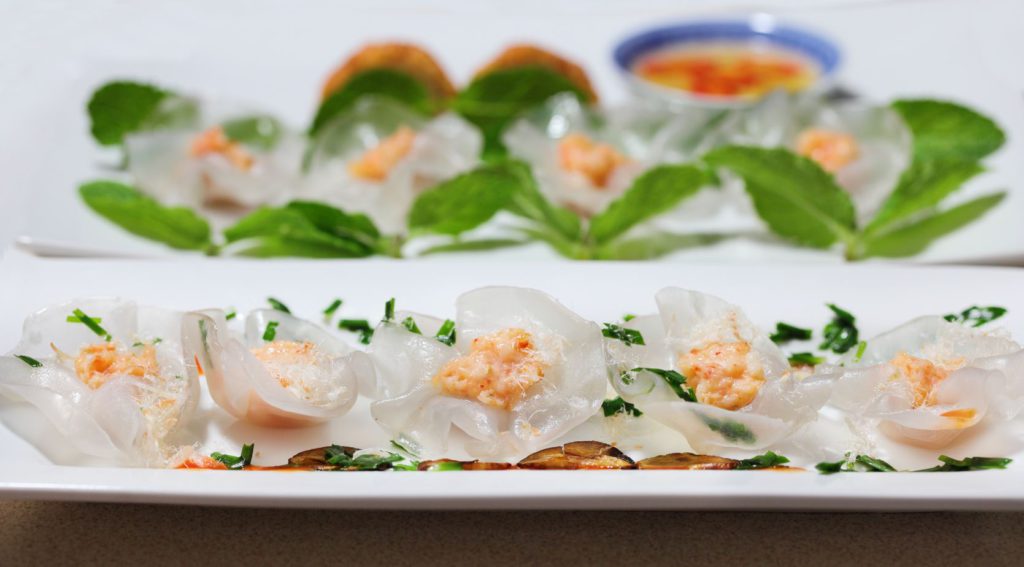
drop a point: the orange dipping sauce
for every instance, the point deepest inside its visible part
(734, 70)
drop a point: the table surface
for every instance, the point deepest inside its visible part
(57, 533)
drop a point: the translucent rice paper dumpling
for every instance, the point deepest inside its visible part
(283, 372)
(747, 397)
(376, 158)
(929, 380)
(581, 159)
(121, 395)
(522, 371)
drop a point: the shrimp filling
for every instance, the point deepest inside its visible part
(97, 364)
(596, 162)
(922, 375)
(832, 150)
(723, 375)
(498, 370)
(215, 142)
(300, 368)
(376, 163)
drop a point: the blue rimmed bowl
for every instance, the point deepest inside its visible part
(760, 31)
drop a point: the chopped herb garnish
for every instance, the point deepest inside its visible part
(445, 466)
(336, 455)
(841, 332)
(859, 463)
(389, 311)
(331, 309)
(446, 334)
(784, 332)
(976, 316)
(29, 360)
(628, 317)
(403, 449)
(675, 380)
(805, 359)
(93, 324)
(231, 314)
(763, 461)
(235, 463)
(410, 324)
(271, 331)
(730, 430)
(628, 336)
(361, 326)
(74, 319)
(619, 405)
(276, 304)
(949, 464)
(861, 347)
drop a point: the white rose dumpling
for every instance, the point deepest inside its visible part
(118, 392)
(283, 372)
(746, 395)
(523, 371)
(927, 381)
(379, 156)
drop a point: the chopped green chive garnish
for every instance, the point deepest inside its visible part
(628, 317)
(29, 360)
(276, 304)
(675, 380)
(976, 316)
(784, 332)
(338, 456)
(271, 331)
(763, 461)
(361, 326)
(841, 332)
(729, 430)
(331, 309)
(861, 347)
(619, 405)
(235, 463)
(403, 449)
(949, 464)
(445, 466)
(231, 314)
(858, 463)
(446, 334)
(410, 324)
(805, 359)
(867, 463)
(389, 311)
(93, 324)
(628, 336)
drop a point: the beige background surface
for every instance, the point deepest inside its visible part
(62, 533)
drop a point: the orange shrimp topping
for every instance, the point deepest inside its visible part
(923, 376)
(280, 357)
(97, 364)
(722, 374)
(597, 162)
(215, 141)
(498, 370)
(376, 163)
(832, 150)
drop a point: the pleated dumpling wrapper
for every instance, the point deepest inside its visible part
(108, 374)
(928, 380)
(521, 371)
(576, 164)
(708, 372)
(282, 372)
(376, 158)
(230, 158)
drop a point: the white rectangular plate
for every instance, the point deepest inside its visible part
(880, 296)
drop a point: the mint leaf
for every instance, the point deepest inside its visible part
(119, 108)
(911, 238)
(531, 204)
(261, 132)
(388, 83)
(792, 194)
(657, 191)
(474, 245)
(336, 222)
(653, 245)
(922, 186)
(947, 131)
(141, 215)
(494, 100)
(465, 201)
(273, 232)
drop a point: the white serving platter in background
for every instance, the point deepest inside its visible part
(880, 296)
(964, 51)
